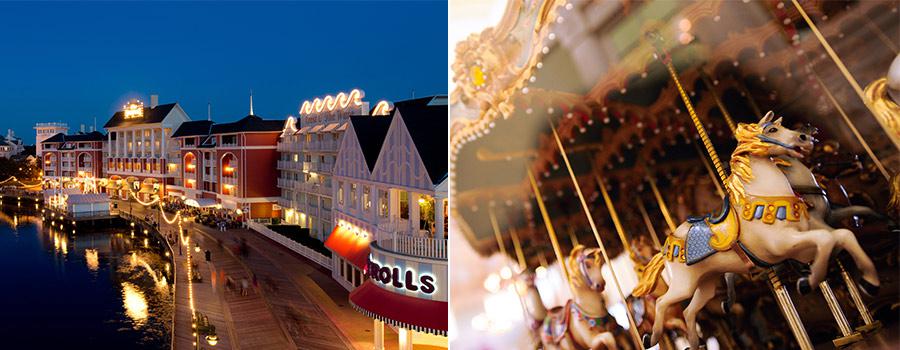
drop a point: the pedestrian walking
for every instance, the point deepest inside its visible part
(244, 286)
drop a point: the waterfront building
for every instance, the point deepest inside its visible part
(140, 151)
(308, 147)
(10, 145)
(389, 239)
(44, 131)
(75, 155)
(229, 164)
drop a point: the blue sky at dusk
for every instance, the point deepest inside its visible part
(72, 62)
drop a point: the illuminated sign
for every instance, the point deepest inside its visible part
(330, 103)
(392, 276)
(133, 109)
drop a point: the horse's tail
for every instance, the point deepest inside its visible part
(650, 276)
(894, 204)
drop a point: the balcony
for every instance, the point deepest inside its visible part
(229, 180)
(414, 245)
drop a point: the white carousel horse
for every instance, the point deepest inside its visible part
(768, 225)
(583, 323)
(820, 214)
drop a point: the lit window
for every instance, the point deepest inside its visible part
(340, 193)
(353, 198)
(367, 201)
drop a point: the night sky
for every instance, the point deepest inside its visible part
(72, 62)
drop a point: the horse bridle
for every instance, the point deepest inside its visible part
(584, 274)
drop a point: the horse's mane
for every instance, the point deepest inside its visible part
(748, 145)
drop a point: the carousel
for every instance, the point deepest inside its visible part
(639, 174)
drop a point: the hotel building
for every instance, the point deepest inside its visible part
(76, 155)
(389, 239)
(308, 147)
(230, 164)
(44, 131)
(140, 147)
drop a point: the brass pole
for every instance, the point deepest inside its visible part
(862, 141)
(517, 245)
(550, 232)
(572, 236)
(615, 217)
(712, 91)
(847, 335)
(789, 311)
(662, 203)
(496, 228)
(884, 39)
(649, 224)
(840, 64)
(709, 170)
(869, 323)
(753, 106)
(587, 212)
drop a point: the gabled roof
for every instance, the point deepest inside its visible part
(151, 116)
(370, 132)
(247, 124)
(426, 120)
(193, 128)
(79, 137)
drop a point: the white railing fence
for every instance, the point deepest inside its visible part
(415, 245)
(291, 244)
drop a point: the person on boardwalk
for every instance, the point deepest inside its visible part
(244, 287)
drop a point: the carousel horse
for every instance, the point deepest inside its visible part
(583, 323)
(644, 308)
(823, 216)
(535, 311)
(768, 225)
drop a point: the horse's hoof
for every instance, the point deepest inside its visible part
(871, 290)
(803, 286)
(646, 341)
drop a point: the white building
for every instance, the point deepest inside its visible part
(44, 131)
(389, 240)
(140, 147)
(10, 145)
(308, 147)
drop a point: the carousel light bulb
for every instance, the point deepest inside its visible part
(506, 273)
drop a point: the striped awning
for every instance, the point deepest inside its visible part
(421, 315)
(330, 127)
(342, 127)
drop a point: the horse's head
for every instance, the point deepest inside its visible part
(783, 140)
(766, 139)
(584, 268)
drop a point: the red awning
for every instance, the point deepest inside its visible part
(348, 245)
(420, 315)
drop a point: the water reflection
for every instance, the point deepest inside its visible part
(92, 259)
(135, 304)
(116, 287)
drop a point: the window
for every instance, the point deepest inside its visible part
(367, 201)
(296, 157)
(353, 198)
(404, 205)
(190, 141)
(383, 203)
(340, 193)
(229, 140)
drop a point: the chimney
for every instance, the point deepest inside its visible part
(82, 128)
(154, 101)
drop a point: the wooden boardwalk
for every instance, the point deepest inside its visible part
(293, 305)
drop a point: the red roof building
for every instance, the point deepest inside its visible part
(231, 165)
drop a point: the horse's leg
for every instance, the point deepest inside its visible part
(823, 241)
(706, 290)
(605, 340)
(676, 293)
(847, 240)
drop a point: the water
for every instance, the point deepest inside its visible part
(104, 290)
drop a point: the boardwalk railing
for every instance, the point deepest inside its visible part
(291, 244)
(415, 245)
